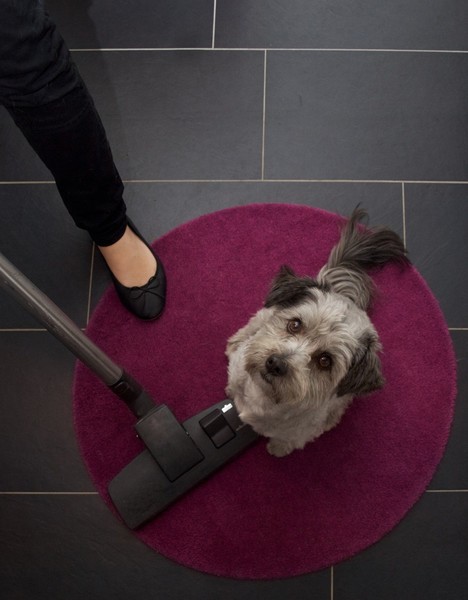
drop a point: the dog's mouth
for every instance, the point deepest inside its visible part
(267, 377)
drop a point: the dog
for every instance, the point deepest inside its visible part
(301, 359)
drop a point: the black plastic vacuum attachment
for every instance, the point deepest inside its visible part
(177, 456)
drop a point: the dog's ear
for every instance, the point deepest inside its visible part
(288, 289)
(364, 375)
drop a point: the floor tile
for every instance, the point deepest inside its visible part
(40, 239)
(437, 226)
(180, 115)
(350, 115)
(38, 451)
(136, 24)
(440, 24)
(74, 548)
(452, 472)
(19, 161)
(424, 557)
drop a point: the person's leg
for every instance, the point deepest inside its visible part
(42, 90)
(67, 134)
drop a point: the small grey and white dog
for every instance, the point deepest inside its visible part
(297, 364)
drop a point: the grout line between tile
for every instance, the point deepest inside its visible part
(382, 181)
(214, 26)
(27, 330)
(461, 491)
(395, 181)
(16, 329)
(27, 182)
(48, 493)
(214, 49)
(264, 113)
(332, 583)
(90, 286)
(406, 181)
(403, 210)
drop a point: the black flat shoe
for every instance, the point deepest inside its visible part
(146, 301)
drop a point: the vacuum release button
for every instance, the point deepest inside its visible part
(217, 428)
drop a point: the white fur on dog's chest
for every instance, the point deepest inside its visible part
(288, 421)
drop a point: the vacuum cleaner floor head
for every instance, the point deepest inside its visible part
(178, 457)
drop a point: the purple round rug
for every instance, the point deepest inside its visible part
(262, 517)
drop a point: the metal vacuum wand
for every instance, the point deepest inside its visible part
(64, 329)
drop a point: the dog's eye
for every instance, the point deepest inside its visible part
(294, 326)
(324, 361)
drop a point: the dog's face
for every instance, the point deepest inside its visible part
(294, 368)
(309, 345)
(296, 365)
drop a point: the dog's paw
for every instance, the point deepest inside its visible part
(279, 448)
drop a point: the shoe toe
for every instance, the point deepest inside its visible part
(146, 302)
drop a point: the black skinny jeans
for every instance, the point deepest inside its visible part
(42, 90)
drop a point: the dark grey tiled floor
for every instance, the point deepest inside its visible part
(156, 24)
(345, 102)
(437, 25)
(209, 129)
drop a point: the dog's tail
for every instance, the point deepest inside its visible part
(359, 249)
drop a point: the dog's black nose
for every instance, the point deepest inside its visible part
(276, 365)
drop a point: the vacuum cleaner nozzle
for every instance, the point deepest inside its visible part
(178, 457)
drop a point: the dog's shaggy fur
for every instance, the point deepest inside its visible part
(298, 363)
